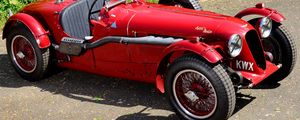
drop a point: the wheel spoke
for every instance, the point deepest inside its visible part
(195, 93)
(23, 54)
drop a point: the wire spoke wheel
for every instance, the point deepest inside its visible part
(198, 90)
(29, 61)
(195, 94)
(23, 54)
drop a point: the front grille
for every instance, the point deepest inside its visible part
(256, 49)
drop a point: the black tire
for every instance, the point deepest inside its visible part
(288, 53)
(219, 80)
(283, 48)
(42, 56)
(192, 4)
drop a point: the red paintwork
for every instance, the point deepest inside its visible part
(208, 52)
(142, 62)
(257, 78)
(261, 10)
(35, 27)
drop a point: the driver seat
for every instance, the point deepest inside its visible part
(75, 18)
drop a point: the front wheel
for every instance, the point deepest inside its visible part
(283, 48)
(197, 90)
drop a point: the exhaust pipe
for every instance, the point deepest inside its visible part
(129, 40)
(72, 46)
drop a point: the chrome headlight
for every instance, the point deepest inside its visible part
(265, 27)
(235, 45)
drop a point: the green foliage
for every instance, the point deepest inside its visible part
(152, 1)
(13, 5)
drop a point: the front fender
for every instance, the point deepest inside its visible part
(261, 10)
(200, 48)
(207, 52)
(32, 24)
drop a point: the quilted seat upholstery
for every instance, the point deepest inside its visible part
(75, 18)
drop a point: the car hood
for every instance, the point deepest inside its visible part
(181, 22)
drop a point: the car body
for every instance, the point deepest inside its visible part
(139, 40)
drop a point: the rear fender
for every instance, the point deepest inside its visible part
(261, 10)
(32, 24)
(207, 52)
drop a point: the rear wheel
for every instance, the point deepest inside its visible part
(197, 90)
(27, 58)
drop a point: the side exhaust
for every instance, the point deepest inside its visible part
(71, 46)
(132, 40)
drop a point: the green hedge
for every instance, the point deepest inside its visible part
(152, 1)
(13, 5)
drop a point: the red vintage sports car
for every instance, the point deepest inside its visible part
(198, 58)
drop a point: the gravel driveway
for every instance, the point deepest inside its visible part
(77, 95)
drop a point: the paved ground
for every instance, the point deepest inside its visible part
(77, 95)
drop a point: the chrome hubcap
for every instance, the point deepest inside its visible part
(20, 55)
(191, 96)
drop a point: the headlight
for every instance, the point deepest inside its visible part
(265, 27)
(235, 45)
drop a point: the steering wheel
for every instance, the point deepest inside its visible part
(91, 12)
